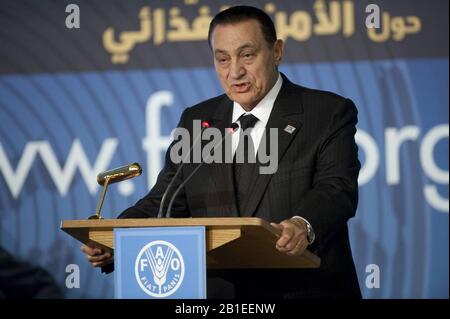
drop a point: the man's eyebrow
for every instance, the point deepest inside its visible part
(246, 46)
(220, 51)
(239, 49)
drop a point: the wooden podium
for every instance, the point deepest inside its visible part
(230, 242)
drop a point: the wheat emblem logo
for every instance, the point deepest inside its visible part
(159, 269)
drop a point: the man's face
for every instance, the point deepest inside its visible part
(245, 65)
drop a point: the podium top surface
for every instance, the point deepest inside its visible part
(166, 222)
(251, 238)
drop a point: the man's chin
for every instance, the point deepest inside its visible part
(242, 100)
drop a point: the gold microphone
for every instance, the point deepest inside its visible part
(114, 176)
(119, 174)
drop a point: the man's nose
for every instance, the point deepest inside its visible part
(237, 69)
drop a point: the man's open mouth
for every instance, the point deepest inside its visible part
(241, 87)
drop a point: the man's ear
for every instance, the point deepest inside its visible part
(278, 51)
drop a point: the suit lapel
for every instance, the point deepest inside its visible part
(222, 173)
(286, 111)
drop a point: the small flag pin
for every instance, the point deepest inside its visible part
(289, 129)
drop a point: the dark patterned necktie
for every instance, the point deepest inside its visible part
(244, 159)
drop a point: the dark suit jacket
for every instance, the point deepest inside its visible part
(316, 178)
(21, 280)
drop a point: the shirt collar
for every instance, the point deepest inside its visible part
(263, 109)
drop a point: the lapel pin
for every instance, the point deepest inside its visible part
(289, 129)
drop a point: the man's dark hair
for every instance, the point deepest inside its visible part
(244, 13)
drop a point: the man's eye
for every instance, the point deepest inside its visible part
(248, 56)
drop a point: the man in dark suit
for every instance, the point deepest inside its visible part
(311, 195)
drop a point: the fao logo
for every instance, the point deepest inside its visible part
(159, 269)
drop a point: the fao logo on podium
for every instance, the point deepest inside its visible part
(160, 262)
(159, 269)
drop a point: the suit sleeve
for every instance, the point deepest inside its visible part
(148, 206)
(333, 199)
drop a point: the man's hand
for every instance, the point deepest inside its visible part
(293, 240)
(96, 255)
